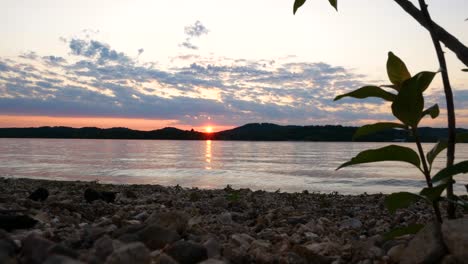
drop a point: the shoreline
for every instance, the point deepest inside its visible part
(224, 225)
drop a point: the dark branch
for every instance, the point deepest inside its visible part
(448, 39)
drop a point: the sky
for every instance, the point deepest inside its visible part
(148, 64)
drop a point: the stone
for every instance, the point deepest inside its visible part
(324, 248)
(58, 259)
(213, 261)
(351, 223)
(91, 195)
(141, 216)
(308, 255)
(426, 246)
(455, 236)
(396, 252)
(13, 222)
(35, 249)
(213, 247)
(165, 259)
(156, 237)
(130, 253)
(40, 194)
(242, 240)
(294, 220)
(177, 221)
(59, 249)
(312, 236)
(108, 196)
(186, 252)
(451, 259)
(8, 249)
(236, 255)
(225, 218)
(103, 247)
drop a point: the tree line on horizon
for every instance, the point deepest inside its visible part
(253, 132)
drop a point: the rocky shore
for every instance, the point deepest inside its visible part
(156, 224)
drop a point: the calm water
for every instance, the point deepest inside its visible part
(291, 166)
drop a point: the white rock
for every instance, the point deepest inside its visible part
(455, 235)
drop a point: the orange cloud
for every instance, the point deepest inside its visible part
(101, 122)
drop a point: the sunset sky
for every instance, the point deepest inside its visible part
(147, 64)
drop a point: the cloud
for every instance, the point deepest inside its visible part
(196, 30)
(97, 50)
(99, 81)
(193, 31)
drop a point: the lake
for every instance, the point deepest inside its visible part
(289, 166)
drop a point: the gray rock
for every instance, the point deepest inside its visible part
(58, 259)
(177, 221)
(8, 248)
(141, 216)
(187, 252)
(131, 253)
(7, 253)
(213, 261)
(156, 237)
(236, 255)
(35, 249)
(165, 259)
(242, 240)
(324, 248)
(103, 247)
(426, 246)
(396, 252)
(225, 218)
(451, 259)
(455, 235)
(309, 255)
(59, 249)
(213, 247)
(351, 223)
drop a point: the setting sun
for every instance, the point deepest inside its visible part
(208, 129)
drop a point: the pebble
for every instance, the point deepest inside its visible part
(210, 226)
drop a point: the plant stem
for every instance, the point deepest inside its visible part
(426, 172)
(450, 104)
(450, 41)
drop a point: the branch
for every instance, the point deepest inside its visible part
(448, 39)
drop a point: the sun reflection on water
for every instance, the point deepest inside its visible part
(208, 155)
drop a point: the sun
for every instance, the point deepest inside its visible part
(208, 129)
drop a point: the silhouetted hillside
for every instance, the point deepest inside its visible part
(255, 132)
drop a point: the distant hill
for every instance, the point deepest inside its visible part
(254, 132)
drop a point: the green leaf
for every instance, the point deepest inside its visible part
(297, 4)
(447, 172)
(396, 70)
(433, 194)
(442, 144)
(409, 103)
(334, 3)
(388, 153)
(401, 231)
(373, 128)
(433, 111)
(400, 200)
(423, 79)
(460, 202)
(368, 91)
(438, 147)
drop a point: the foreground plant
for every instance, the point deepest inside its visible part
(407, 105)
(438, 34)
